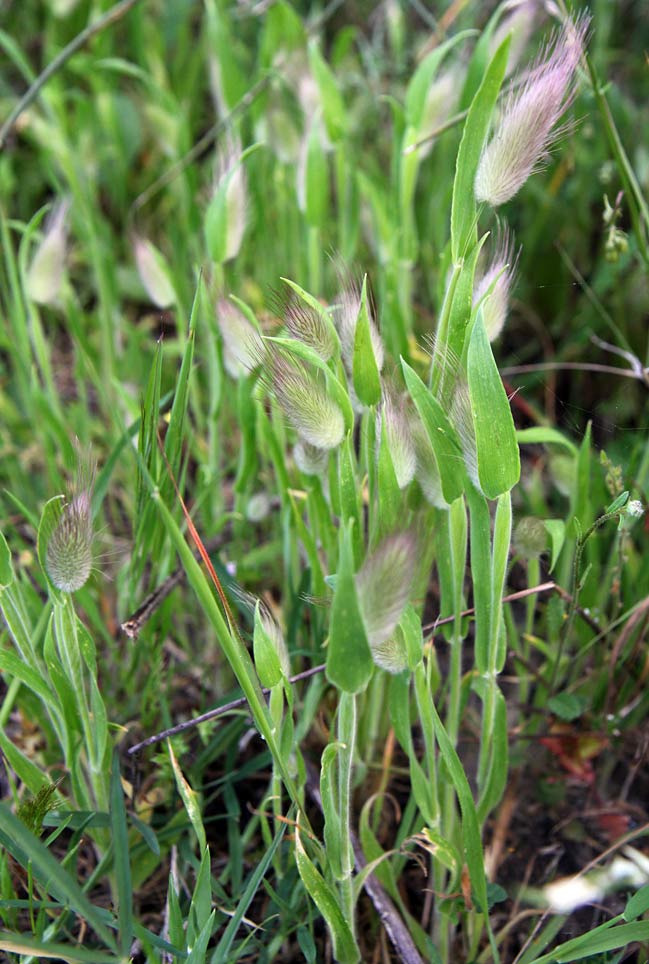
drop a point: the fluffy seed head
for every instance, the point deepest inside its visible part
(395, 416)
(68, 557)
(240, 340)
(426, 471)
(153, 272)
(384, 583)
(519, 21)
(500, 272)
(227, 213)
(309, 459)
(346, 316)
(528, 125)
(311, 327)
(315, 416)
(45, 273)
(530, 537)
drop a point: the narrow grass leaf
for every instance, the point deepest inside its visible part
(317, 181)
(24, 768)
(497, 453)
(470, 825)
(345, 947)
(637, 905)
(498, 761)
(556, 529)
(189, 799)
(333, 105)
(177, 417)
(607, 937)
(545, 435)
(53, 877)
(331, 807)
(121, 859)
(222, 954)
(422, 78)
(201, 905)
(461, 306)
(367, 380)
(15, 666)
(480, 540)
(25, 944)
(199, 947)
(476, 127)
(6, 567)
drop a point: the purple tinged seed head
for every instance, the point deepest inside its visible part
(384, 584)
(499, 272)
(68, 557)
(312, 328)
(394, 415)
(240, 340)
(309, 459)
(316, 417)
(529, 123)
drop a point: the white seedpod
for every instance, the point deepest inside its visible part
(394, 415)
(383, 584)
(241, 342)
(154, 273)
(309, 459)
(530, 119)
(302, 395)
(46, 271)
(498, 275)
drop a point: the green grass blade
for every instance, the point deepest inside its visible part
(345, 947)
(122, 863)
(53, 877)
(476, 127)
(221, 954)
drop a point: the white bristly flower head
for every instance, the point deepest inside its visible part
(68, 556)
(311, 327)
(395, 416)
(46, 271)
(302, 395)
(384, 583)
(240, 340)
(309, 459)
(529, 123)
(154, 273)
(500, 272)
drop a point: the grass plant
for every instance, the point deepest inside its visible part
(328, 320)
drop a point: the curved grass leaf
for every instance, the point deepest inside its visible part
(345, 947)
(463, 205)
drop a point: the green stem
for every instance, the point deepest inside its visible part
(347, 722)
(575, 587)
